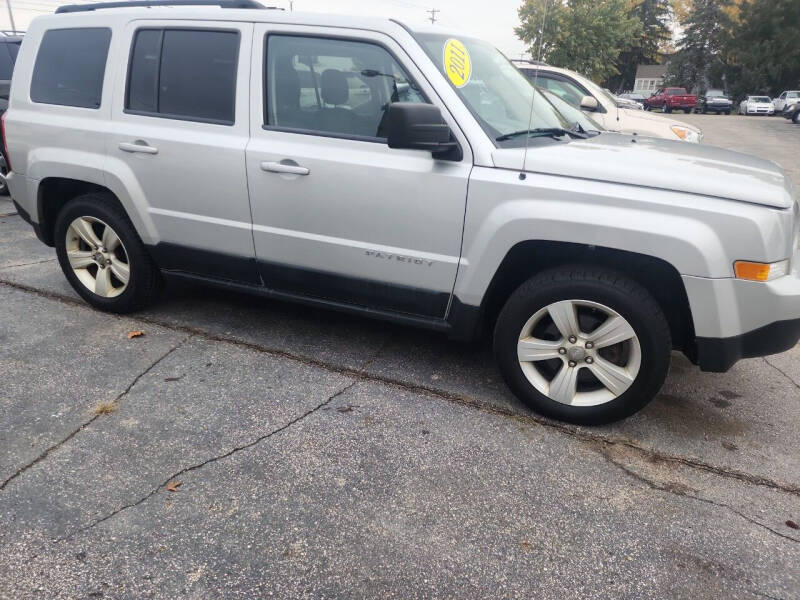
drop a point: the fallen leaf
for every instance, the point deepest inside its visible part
(345, 409)
(135, 334)
(105, 408)
(173, 486)
(792, 524)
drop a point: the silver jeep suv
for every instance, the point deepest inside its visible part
(402, 173)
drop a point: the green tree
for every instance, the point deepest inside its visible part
(764, 52)
(587, 36)
(701, 60)
(654, 15)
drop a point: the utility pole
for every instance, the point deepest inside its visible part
(291, 5)
(11, 16)
(433, 12)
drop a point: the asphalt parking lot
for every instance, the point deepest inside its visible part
(247, 448)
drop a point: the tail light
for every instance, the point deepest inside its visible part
(5, 143)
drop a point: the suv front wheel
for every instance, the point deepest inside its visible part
(583, 345)
(102, 256)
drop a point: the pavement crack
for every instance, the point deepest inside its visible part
(684, 492)
(208, 461)
(782, 372)
(573, 431)
(48, 451)
(27, 264)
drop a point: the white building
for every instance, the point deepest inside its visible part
(649, 78)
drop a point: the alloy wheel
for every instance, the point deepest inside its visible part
(579, 352)
(97, 256)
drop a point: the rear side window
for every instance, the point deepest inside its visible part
(184, 74)
(6, 62)
(70, 67)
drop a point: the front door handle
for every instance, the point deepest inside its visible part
(138, 146)
(284, 167)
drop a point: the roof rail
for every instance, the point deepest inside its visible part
(68, 8)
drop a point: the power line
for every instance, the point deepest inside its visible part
(11, 16)
(433, 12)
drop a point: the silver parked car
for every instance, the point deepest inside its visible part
(399, 172)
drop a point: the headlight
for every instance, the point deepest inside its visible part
(755, 271)
(686, 134)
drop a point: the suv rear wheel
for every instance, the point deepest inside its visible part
(102, 256)
(583, 345)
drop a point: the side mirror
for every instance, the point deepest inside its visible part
(589, 103)
(417, 126)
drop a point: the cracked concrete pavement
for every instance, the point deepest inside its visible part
(322, 455)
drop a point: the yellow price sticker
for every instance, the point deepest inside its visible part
(457, 63)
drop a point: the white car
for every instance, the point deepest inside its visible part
(788, 97)
(604, 108)
(756, 105)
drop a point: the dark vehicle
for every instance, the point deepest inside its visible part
(671, 98)
(792, 112)
(9, 46)
(716, 101)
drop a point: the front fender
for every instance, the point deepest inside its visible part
(697, 235)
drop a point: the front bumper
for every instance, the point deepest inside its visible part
(717, 355)
(736, 319)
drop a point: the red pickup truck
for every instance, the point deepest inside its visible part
(671, 98)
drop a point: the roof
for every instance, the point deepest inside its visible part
(243, 15)
(651, 71)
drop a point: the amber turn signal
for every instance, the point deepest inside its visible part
(755, 271)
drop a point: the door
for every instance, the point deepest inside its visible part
(178, 137)
(779, 102)
(337, 214)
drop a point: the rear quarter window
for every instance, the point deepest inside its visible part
(70, 66)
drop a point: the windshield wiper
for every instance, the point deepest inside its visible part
(543, 132)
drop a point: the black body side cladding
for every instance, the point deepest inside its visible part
(396, 303)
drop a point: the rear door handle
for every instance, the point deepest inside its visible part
(138, 146)
(280, 167)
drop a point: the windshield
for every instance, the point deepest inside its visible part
(760, 99)
(494, 90)
(714, 93)
(570, 113)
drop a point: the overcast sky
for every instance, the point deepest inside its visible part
(492, 20)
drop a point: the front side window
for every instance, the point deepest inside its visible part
(336, 87)
(70, 67)
(184, 74)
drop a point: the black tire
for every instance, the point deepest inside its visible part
(145, 280)
(796, 118)
(600, 285)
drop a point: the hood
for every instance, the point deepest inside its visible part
(658, 163)
(632, 116)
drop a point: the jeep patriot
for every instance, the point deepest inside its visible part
(404, 173)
